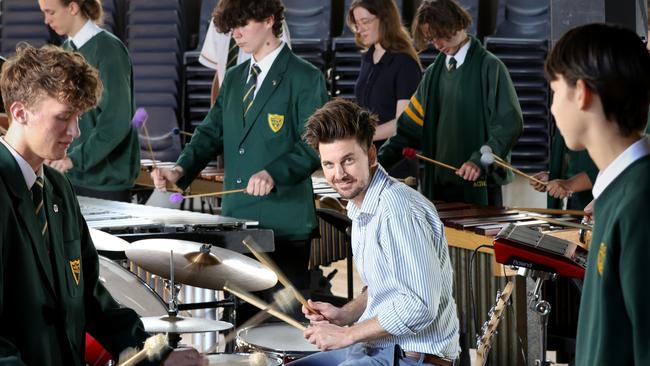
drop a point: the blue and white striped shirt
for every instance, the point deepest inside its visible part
(401, 253)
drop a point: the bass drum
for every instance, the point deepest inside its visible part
(130, 290)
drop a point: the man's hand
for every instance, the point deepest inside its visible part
(62, 165)
(326, 313)
(184, 357)
(260, 184)
(469, 171)
(327, 336)
(543, 176)
(164, 177)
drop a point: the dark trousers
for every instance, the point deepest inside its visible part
(121, 196)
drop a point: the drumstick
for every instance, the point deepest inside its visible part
(561, 222)
(178, 197)
(281, 298)
(153, 346)
(251, 299)
(489, 159)
(410, 153)
(178, 131)
(140, 120)
(254, 248)
(550, 211)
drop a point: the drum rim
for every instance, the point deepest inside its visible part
(282, 353)
(276, 359)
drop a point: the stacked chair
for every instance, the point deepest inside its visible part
(155, 36)
(521, 42)
(22, 21)
(197, 78)
(309, 23)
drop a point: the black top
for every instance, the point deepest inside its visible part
(381, 85)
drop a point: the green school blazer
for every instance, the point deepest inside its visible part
(269, 138)
(49, 293)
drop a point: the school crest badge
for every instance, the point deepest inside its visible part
(600, 262)
(276, 121)
(75, 266)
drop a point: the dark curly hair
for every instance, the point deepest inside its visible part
(443, 17)
(230, 14)
(340, 119)
(34, 73)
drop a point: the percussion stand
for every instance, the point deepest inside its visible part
(541, 307)
(172, 306)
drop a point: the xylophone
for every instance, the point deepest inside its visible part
(135, 222)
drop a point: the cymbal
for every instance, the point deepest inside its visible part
(105, 242)
(211, 268)
(179, 324)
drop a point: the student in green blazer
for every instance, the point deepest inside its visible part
(466, 100)
(600, 76)
(105, 160)
(257, 122)
(50, 294)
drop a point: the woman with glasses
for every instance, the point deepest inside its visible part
(390, 68)
(465, 100)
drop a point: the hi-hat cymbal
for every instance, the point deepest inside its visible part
(179, 324)
(105, 242)
(210, 267)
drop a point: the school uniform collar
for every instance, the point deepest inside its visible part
(633, 153)
(265, 64)
(460, 55)
(28, 173)
(88, 31)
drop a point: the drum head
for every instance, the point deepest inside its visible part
(129, 290)
(238, 359)
(277, 338)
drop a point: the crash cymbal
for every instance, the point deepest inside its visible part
(200, 265)
(105, 242)
(179, 324)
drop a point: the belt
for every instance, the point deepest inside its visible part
(430, 359)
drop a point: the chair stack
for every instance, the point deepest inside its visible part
(22, 21)
(521, 42)
(155, 38)
(309, 23)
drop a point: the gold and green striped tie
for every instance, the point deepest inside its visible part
(233, 53)
(37, 197)
(250, 88)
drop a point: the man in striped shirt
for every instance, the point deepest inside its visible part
(406, 315)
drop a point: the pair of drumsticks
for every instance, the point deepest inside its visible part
(268, 262)
(487, 158)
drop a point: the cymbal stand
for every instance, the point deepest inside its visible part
(542, 308)
(172, 305)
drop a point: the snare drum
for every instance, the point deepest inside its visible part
(129, 290)
(238, 359)
(275, 340)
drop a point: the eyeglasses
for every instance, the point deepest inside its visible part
(364, 22)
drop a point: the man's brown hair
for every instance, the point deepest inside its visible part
(340, 119)
(230, 14)
(443, 17)
(34, 73)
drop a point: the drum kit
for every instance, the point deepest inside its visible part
(199, 265)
